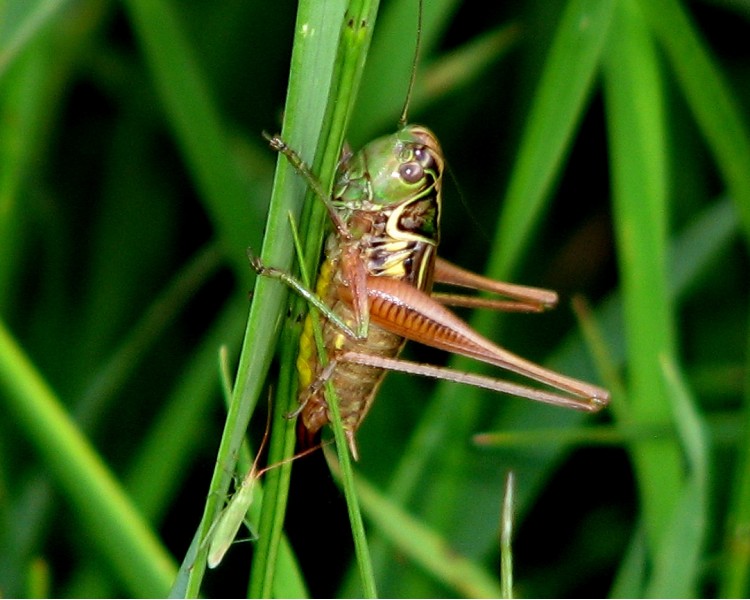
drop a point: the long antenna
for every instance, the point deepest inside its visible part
(413, 77)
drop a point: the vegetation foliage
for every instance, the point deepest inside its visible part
(597, 147)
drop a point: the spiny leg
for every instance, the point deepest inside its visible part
(306, 293)
(310, 178)
(588, 404)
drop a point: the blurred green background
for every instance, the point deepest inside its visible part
(599, 148)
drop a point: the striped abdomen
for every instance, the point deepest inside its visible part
(356, 385)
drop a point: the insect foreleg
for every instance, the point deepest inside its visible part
(301, 289)
(310, 178)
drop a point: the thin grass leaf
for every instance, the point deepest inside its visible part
(698, 245)
(506, 538)
(304, 111)
(734, 578)
(143, 334)
(354, 43)
(637, 154)
(311, 73)
(561, 97)
(677, 560)
(631, 577)
(342, 442)
(197, 125)
(20, 25)
(592, 435)
(713, 105)
(28, 96)
(420, 543)
(39, 580)
(111, 520)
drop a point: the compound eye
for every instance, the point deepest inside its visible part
(411, 172)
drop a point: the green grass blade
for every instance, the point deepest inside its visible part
(710, 98)
(20, 25)
(19, 125)
(630, 580)
(735, 575)
(198, 127)
(421, 544)
(506, 538)
(560, 99)
(638, 151)
(37, 57)
(107, 514)
(353, 48)
(678, 559)
(115, 372)
(310, 75)
(304, 111)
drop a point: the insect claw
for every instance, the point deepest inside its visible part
(352, 444)
(293, 414)
(600, 402)
(276, 142)
(256, 263)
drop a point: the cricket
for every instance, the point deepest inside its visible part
(224, 530)
(374, 288)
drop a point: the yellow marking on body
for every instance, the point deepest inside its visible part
(305, 355)
(396, 271)
(339, 341)
(392, 225)
(307, 359)
(423, 275)
(395, 252)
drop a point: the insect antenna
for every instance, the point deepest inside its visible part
(415, 62)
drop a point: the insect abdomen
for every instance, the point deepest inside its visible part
(355, 384)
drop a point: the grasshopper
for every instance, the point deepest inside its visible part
(374, 286)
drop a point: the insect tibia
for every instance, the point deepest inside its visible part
(299, 165)
(310, 178)
(293, 414)
(301, 289)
